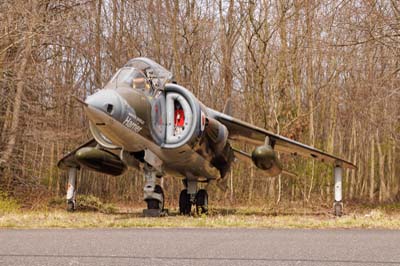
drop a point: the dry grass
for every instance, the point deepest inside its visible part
(94, 214)
(219, 218)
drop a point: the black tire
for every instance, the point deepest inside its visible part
(154, 203)
(70, 206)
(185, 206)
(185, 183)
(202, 201)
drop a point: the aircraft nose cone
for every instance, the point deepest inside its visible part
(108, 101)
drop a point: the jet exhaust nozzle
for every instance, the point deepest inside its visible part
(100, 160)
(264, 157)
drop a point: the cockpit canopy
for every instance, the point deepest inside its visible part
(143, 74)
(155, 72)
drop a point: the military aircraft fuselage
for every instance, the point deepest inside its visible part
(168, 128)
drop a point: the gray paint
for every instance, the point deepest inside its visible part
(199, 246)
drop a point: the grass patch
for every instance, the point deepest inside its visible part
(7, 204)
(92, 203)
(217, 219)
(86, 203)
(93, 213)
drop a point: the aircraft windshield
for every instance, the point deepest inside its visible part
(158, 75)
(141, 73)
(132, 78)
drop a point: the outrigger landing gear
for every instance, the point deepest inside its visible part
(190, 196)
(71, 201)
(338, 204)
(153, 194)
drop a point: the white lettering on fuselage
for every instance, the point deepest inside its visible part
(133, 122)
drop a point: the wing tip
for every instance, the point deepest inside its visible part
(346, 164)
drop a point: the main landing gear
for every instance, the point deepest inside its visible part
(190, 196)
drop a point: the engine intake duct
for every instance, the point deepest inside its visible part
(100, 160)
(217, 133)
(264, 157)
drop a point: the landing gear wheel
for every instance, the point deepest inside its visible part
(185, 182)
(185, 206)
(154, 203)
(338, 209)
(71, 206)
(202, 202)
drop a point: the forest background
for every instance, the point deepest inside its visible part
(326, 73)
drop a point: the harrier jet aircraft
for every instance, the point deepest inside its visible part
(142, 119)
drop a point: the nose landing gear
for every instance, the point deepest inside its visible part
(156, 204)
(153, 194)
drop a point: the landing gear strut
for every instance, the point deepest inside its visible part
(190, 196)
(338, 204)
(71, 191)
(153, 194)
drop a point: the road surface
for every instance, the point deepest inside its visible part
(199, 247)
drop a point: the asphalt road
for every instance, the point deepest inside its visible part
(199, 247)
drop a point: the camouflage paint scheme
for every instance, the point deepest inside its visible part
(130, 126)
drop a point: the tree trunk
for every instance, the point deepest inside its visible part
(310, 88)
(372, 173)
(251, 184)
(382, 183)
(14, 128)
(98, 73)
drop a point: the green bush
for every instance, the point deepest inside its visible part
(57, 202)
(7, 204)
(85, 203)
(92, 203)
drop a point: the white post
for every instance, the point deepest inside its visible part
(71, 187)
(338, 183)
(338, 204)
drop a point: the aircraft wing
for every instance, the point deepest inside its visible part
(69, 159)
(243, 131)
